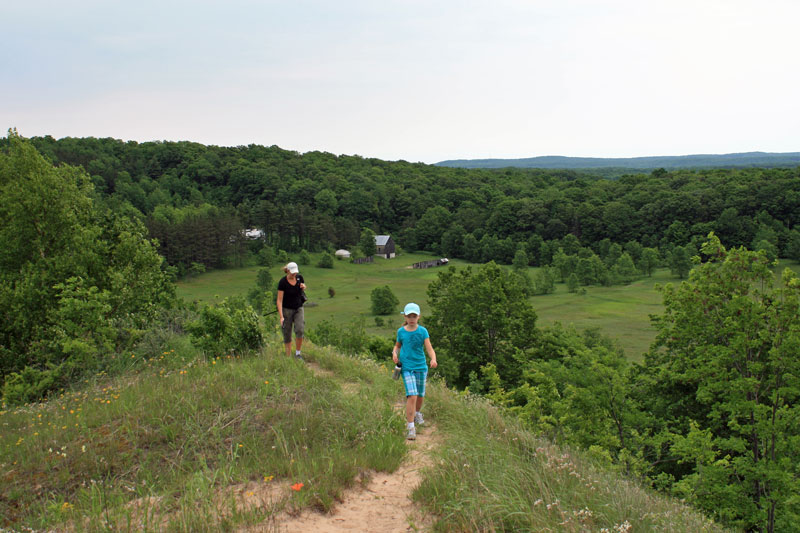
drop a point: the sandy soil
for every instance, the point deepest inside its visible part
(382, 506)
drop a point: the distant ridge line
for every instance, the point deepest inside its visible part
(737, 160)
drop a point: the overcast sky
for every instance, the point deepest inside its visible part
(414, 80)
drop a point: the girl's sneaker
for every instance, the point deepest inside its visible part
(418, 420)
(411, 434)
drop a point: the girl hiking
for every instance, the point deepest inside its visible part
(408, 351)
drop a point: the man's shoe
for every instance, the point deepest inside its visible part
(411, 434)
(418, 420)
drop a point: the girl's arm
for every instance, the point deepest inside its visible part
(279, 303)
(431, 353)
(395, 352)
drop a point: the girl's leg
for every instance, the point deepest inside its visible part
(411, 404)
(419, 402)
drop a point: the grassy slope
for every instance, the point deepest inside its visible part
(622, 311)
(186, 444)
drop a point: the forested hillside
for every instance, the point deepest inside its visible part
(193, 198)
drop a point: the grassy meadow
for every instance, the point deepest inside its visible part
(622, 312)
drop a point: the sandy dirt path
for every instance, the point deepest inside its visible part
(382, 506)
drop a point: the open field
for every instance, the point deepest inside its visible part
(622, 311)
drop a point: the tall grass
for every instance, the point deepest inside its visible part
(158, 448)
(491, 475)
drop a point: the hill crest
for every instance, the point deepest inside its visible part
(735, 160)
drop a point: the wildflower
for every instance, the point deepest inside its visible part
(250, 493)
(267, 479)
(297, 487)
(266, 383)
(66, 506)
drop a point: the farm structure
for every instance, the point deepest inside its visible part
(432, 263)
(362, 260)
(384, 246)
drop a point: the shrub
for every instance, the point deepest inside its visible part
(195, 269)
(380, 348)
(384, 301)
(266, 256)
(229, 326)
(326, 261)
(304, 258)
(264, 279)
(331, 292)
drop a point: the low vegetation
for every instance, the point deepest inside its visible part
(185, 442)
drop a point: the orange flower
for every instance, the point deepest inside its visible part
(297, 486)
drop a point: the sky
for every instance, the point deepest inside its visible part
(420, 81)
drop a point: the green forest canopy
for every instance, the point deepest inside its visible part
(318, 200)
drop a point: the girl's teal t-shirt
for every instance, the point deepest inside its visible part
(412, 348)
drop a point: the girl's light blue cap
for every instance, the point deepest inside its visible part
(411, 309)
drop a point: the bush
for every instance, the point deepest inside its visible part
(304, 259)
(29, 385)
(331, 292)
(195, 269)
(262, 301)
(326, 261)
(231, 326)
(266, 257)
(380, 348)
(264, 279)
(384, 301)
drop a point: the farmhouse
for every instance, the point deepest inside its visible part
(385, 246)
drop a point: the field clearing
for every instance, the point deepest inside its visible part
(622, 312)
